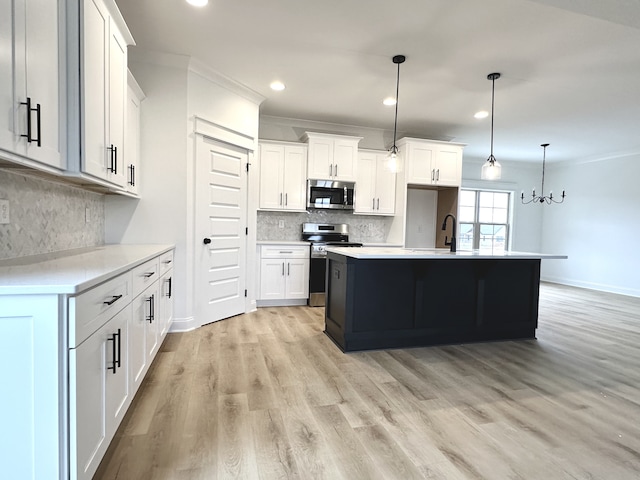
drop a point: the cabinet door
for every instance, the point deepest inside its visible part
(272, 278)
(297, 279)
(271, 176)
(152, 322)
(448, 166)
(295, 178)
(166, 303)
(117, 103)
(419, 159)
(117, 387)
(321, 158)
(137, 347)
(98, 396)
(42, 78)
(132, 141)
(366, 183)
(385, 187)
(95, 47)
(7, 108)
(345, 156)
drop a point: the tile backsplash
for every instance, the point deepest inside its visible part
(47, 216)
(362, 228)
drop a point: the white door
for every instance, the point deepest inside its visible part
(221, 222)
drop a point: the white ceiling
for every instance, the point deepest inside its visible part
(570, 68)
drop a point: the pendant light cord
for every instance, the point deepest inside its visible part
(395, 121)
(544, 159)
(493, 87)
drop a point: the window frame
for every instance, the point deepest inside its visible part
(476, 215)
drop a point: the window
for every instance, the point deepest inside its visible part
(484, 220)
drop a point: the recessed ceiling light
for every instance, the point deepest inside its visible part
(277, 86)
(481, 114)
(198, 3)
(389, 101)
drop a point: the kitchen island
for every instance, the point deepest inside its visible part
(395, 297)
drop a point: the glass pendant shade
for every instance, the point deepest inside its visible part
(491, 170)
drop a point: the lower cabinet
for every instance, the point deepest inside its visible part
(284, 275)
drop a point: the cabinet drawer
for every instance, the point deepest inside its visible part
(93, 308)
(284, 251)
(166, 262)
(144, 275)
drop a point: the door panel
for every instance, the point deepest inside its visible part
(221, 210)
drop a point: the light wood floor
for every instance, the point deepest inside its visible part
(268, 396)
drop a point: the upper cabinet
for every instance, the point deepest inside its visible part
(375, 184)
(431, 163)
(332, 157)
(101, 85)
(31, 62)
(132, 135)
(283, 176)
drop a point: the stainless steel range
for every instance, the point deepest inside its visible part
(322, 235)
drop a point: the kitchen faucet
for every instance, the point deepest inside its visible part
(452, 243)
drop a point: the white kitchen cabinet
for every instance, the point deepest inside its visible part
(283, 176)
(31, 61)
(100, 393)
(131, 159)
(375, 184)
(332, 157)
(284, 274)
(428, 162)
(70, 323)
(99, 117)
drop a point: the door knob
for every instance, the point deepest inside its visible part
(206, 241)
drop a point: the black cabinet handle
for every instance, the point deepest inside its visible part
(170, 285)
(113, 159)
(206, 241)
(113, 300)
(167, 262)
(28, 135)
(151, 316)
(116, 350)
(132, 173)
(148, 274)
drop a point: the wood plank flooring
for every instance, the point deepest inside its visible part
(267, 395)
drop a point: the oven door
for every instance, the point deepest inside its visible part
(328, 194)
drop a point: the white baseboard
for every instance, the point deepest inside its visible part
(183, 325)
(631, 292)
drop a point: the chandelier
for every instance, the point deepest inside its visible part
(542, 198)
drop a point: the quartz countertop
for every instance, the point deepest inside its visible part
(434, 253)
(282, 242)
(72, 271)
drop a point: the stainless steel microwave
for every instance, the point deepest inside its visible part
(330, 194)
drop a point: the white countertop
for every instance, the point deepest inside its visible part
(72, 271)
(433, 253)
(282, 242)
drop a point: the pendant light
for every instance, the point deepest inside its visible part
(542, 198)
(393, 151)
(491, 170)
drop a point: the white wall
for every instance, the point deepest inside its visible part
(598, 225)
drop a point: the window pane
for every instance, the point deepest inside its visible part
(493, 238)
(468, 198)
(486, 199)
(485, 215)
(465, 242)
(467, 214)
(500, 215)
(501, 200)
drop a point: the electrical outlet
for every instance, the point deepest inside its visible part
(4, 212)
(280, 223)
(87, 215)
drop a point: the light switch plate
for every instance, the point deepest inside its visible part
(4, 212)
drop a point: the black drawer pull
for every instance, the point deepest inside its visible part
(113, 300)
(151, 301)
(116, 351)
(170, 285)
(148, 274)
